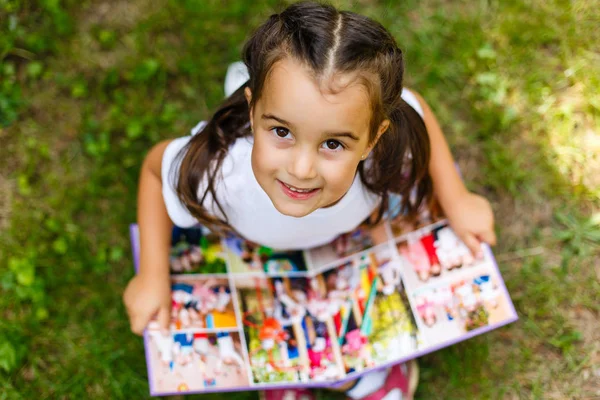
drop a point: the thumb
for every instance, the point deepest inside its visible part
(472, 243)
(163, 318)
(138, 323)
(488, 237)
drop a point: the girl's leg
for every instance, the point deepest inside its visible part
(396, 383)
(288, 394)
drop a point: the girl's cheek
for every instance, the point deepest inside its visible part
(268, 158)
(339, 178)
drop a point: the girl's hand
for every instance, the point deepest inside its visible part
(472, 220)
(146, 296)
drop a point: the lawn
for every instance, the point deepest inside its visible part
(87, 87)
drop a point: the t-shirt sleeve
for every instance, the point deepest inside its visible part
(178, 213)
(412, 101)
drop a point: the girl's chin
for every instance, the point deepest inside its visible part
(293, 209)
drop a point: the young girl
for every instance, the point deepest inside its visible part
(309, 147)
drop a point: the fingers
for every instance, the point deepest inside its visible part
(163, 318)
(137, 320)
(473, 244)
(138, 323)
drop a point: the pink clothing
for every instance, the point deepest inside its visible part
(417, 256)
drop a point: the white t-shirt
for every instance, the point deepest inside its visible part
(250, 211)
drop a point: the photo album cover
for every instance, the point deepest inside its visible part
(248, 317)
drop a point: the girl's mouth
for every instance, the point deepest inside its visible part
(297, 193)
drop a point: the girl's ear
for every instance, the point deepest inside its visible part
(248, 95)
(383, 127)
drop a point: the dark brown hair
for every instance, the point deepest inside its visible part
(327, 41)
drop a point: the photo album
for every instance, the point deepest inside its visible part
(248, 317)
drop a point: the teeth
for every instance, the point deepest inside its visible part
(293, 189)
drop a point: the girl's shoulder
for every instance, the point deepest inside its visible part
(172, 152)
(198, 128)
(411, 99)
(233, 172)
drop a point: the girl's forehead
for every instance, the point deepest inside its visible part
(338, 101)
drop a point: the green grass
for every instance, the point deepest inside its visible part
(85, 90)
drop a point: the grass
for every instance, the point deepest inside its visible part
(86, 89)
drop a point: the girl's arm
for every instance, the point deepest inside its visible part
(148, 293)
(154, 223)
(470, 215)
(447, 184)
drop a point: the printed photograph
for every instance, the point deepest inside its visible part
(394, 334)
(195, 361)
(370, 311)
(196, 251)
(271, 339)
(201, 303)
(289, 331)
(448, 310)
(249, 258)
(430, 255)
(361, 239)
(429, 213)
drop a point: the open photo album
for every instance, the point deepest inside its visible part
(248, 317)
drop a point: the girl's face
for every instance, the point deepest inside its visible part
(308, 140)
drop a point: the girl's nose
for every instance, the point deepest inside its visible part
(302, 165)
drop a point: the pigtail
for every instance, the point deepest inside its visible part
(417, 186)
(400, 163)
(202, 158)
(204, 155)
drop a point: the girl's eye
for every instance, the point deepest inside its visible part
(333, 145)
(281, 132)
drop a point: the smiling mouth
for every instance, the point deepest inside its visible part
(296, 192)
